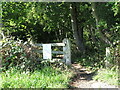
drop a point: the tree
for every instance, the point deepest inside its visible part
(78, 31)
(106, 20)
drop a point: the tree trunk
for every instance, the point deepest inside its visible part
(103, 37)
(77, 32)
(92, 33)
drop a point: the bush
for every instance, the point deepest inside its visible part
(19, 54)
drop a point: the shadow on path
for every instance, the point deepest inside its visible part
(81, 76)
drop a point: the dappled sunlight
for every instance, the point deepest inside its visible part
(59, 44)
(83, 78)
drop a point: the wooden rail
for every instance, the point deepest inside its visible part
(52, 44)
(54, 52)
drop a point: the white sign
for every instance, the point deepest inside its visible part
(47, 51)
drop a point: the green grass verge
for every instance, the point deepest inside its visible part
(108, 76)
(44, 78)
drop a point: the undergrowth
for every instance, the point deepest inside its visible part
(47, 77)
(108, 76)
(22, 67)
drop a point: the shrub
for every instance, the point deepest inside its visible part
(19, 54)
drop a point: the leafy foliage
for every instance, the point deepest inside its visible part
(17, 53)
(51, 22)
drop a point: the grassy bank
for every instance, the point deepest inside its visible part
(44, 78)
(108, 76)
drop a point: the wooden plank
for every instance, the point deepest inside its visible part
(53, 60)
(54, 52)
(52, 44)
(57, 52)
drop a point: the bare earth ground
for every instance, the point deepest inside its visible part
(83, 79)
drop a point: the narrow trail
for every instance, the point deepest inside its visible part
(83, 79)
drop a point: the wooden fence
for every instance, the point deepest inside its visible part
(47, 51)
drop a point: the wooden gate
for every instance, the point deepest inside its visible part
(47, 50)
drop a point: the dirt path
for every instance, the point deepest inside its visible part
(83, 79)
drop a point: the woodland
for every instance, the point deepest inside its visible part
(91, 27)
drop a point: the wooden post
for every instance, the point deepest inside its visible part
(108, 58)
(67, 51)
(2, 39)
(0, 32)
(0, 48)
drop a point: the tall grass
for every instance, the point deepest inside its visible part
(44, 78)
(108, 76)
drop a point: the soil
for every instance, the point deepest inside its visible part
(83, 79)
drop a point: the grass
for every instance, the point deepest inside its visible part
(108, 76)
(44, 78)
